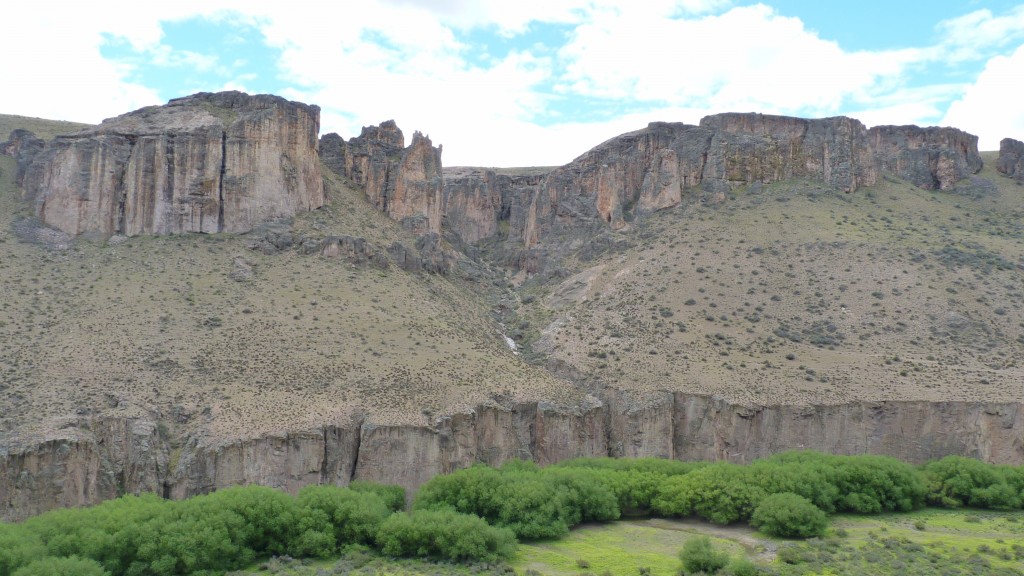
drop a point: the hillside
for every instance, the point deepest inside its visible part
(678, 291)
(795, 294)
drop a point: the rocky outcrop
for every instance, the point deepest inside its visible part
(930, 158)
(220, 162)
(100, 459)
(23, 146)
(403, 182)
(1011, 158)
(650, 169)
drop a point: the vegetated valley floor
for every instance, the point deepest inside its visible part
(946, 542)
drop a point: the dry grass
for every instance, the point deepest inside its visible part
(156, 326)
(796, 294)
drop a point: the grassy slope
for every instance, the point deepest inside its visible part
(45, 129)
(155, 326)
(910, 294)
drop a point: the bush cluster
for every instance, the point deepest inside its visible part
(477, 513)
(532, 502)
(231, 528)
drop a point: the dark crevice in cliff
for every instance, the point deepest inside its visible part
(324, 461)
(220, 180)
(355, 453)
(121, 226)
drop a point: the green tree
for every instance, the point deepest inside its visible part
(790, 516)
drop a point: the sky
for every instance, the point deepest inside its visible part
(529, 82)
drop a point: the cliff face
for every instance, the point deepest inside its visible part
(220, 162)
(931, 158)
(104, 458)
(403, 182)
(1011, 158)
(647, 170)
(22, 145)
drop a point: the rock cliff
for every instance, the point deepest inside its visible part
(100, 459)
(1011, 158)
(650, 169)
(22, 145)
(403, 182)
(220, 162)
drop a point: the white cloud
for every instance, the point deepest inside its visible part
(970, 36)
(991, 107)
(748, 58)
(407, 60)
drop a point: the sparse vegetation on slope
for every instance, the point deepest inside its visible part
(792, 293)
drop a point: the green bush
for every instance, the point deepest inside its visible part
(18, 547)
(721, 493)
(790, 516)
(956, 481)
(741, 566)
(533, 503)
(699, 555)
(73, 566)
(346, 516)
(392, 494)
(444, 534)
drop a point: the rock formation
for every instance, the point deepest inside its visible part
(22, 145)
(1011, 158)
(403, 182)
(650, 169)
(100, 459)
(931, 158)
(220, 162)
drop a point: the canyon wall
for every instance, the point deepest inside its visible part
(403, 182)
(650, 169)
(220, 162)
(103, 458)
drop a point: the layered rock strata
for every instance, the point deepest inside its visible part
(1011, 158)
(102, 458)
(403, 182)
(650, 169)
(220, 162)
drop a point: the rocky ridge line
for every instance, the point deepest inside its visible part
(99, 459)
(650, 169)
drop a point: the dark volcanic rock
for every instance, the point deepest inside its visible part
(1011, 158)
(220, 162)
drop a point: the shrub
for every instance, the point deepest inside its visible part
(721, 493)
(741, 566)
(790, 516)
(444, 534)
(72, 566)
(331, 517)
(392, 494)
(699, 555)
(956, 481)
(18, 547)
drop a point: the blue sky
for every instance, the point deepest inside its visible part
(532, 82)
